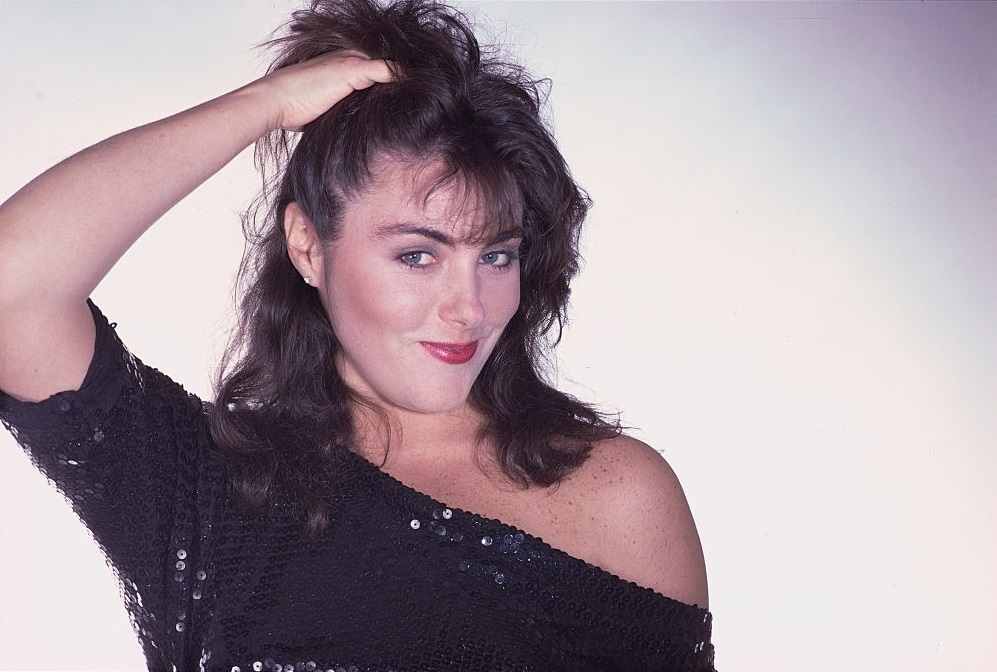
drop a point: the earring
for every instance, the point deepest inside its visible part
(308, 281)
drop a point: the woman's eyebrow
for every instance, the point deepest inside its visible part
(393, 230)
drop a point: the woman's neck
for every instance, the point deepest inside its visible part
(393, 435)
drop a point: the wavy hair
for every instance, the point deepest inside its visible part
(282, 414)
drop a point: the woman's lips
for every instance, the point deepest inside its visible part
(451, 353)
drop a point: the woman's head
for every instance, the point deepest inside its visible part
(475, 115)
(470, 125)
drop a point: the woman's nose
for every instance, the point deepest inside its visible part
(462, 300)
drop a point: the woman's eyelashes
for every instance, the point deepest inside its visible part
(416, 259)
(499, 258)
(495, 258)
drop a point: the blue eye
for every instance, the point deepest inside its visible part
(416, 259)
(497, 258)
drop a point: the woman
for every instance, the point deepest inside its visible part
(382, 406)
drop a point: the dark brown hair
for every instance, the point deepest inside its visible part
(282, 412)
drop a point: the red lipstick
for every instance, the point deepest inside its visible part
(451, 353)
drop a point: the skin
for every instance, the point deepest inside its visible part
(623, 510)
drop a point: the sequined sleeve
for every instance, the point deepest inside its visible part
(125, 450)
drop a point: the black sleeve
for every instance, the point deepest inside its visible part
(127, 450)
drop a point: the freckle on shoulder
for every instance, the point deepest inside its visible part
(625, 459)
(638, 504)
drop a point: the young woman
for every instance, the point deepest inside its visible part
(385, 480)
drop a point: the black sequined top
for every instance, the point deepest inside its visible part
(398, 581)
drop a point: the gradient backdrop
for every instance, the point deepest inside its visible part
(790, 290)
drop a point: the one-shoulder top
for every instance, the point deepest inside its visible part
(397, 582)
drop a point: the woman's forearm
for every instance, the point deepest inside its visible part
(63, 232)
(75, 220)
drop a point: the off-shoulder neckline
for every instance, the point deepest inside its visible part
(560, 556)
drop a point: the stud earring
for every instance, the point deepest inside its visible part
(308, 281)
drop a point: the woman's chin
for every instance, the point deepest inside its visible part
(439, 402)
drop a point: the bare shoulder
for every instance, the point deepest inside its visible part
(638, 520)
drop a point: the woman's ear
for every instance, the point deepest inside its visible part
(303, 244)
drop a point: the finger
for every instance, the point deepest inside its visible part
(381, 71)
(368, 71)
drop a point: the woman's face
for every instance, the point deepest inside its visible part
(416, 303)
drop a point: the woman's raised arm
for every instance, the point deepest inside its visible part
(62, 232)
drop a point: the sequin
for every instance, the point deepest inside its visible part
(181, 627)
(415, 524)
(182, 554)
(511, 542)
(486, 540)
(236, 668)
(201, 575)
(181, 565)
(448, 514)
(98, 436)
(257, 666)
(442, 531)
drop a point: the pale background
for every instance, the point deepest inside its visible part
(790, 289)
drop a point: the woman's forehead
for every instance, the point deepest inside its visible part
(473, 207)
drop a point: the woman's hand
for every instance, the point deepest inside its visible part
(302, 92)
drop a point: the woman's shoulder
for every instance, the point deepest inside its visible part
(637, 524)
